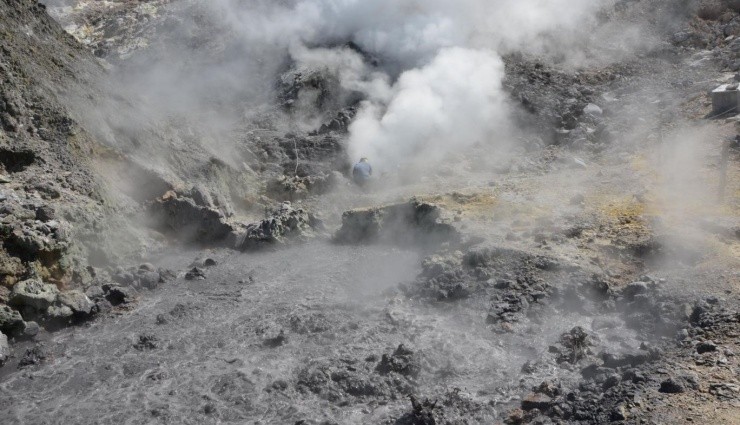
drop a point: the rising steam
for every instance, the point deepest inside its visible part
(436, 87)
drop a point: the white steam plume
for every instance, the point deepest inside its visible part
(438, 88)
(435, 88)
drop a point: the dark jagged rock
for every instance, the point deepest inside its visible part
(11, 321)
(671, 386)
(706, 347)
(183, 218)
(195, 274)
(117, 295)
(32, 356)
(284, 224)
(350, 379)
(402, 361)
(276, 341)
(576, 345)
(146, 342)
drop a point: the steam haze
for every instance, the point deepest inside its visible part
(429, 72)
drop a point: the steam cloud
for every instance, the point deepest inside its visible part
(430, 72)
(438, 86)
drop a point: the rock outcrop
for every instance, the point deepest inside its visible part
(414, 223)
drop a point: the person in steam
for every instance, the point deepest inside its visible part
(361, 172)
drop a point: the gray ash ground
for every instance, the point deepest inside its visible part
(312, 334)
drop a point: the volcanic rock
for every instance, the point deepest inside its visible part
(78, 302)
(11, 321)
(284, 224)
(537, 401)
(119, 295)
(671, 386)
(183, 218)
(4, 348)
(411, 223)
(32, 356)
(402, 361)
(34, 293)
(706, 347)
(146, 342)
(195, 274)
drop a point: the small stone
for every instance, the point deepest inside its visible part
(276, 341)
(59, 312)
(31, 329)
(593, 110)
(536, 401)
(32, 356)
(146, 342)
(195, 274)
(682, 335)
(619, 413)
(635, 288)
(148, 279)
(45, 213)
(671, 386)
(119, 295)
(148, 267)
(706, 347)
(577, 199)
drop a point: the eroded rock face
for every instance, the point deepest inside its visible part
(411, 223)
(187, 220)
(284, 224)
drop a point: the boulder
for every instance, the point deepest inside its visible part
(671, 386)
(58, 313)
(706, 347)
(33, 293)
(31, 329)
(183, 218)
(537, 401)
(76, 301)
(11, 321)
(148, 279)
(119, 295)
(593, 110)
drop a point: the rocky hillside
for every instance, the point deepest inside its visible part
(53, 204)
